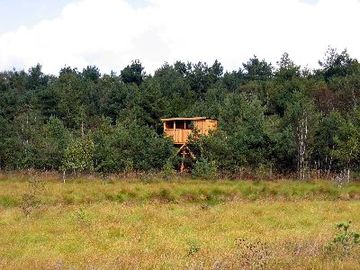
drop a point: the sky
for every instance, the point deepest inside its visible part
(111, 33)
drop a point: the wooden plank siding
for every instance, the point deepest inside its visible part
(179, 136)
(179, 129)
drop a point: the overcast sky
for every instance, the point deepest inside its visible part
(111, 33)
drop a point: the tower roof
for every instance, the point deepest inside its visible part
(184, 119)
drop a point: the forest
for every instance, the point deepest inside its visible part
(274, 119)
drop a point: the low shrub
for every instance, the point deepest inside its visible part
(204, 169)
(193, 247)
(8, 201)
(345, 238)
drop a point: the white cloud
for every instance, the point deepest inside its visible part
(111, 33)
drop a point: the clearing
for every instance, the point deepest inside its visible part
(180, 224)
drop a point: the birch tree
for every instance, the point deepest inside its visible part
(302, 116)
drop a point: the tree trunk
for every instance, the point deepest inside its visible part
(302, 134)
(348, 175)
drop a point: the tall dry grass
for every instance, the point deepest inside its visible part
(179, 224)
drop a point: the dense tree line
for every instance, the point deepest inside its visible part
(279, 117)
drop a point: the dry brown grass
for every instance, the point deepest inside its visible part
(80, 225)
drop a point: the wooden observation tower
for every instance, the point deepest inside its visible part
(179, 129)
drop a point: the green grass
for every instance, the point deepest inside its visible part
(82, 191)
(179, 224)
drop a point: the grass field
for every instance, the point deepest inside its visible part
(90, 223)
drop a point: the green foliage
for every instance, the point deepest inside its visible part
(133, 73)
(8, 201)
(78, 156)
(193, 248)
(204, 169)
(8, 143)
(346, 238)
(347, 142)
(168, 170)
(257, 70)
(91, 73)
(337, 64)
(53, 144)
(280, 117)
(129, 147)
(287, 68)
(136, 148)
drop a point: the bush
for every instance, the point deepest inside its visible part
(346, 238)
(193, 248)
(31, 199)
(78, 155)
(128, 148)
(204, 169)
(8, 201)
(168, 170)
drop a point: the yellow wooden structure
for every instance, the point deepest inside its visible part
(180, 128)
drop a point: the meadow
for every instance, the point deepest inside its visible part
(151, 223)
